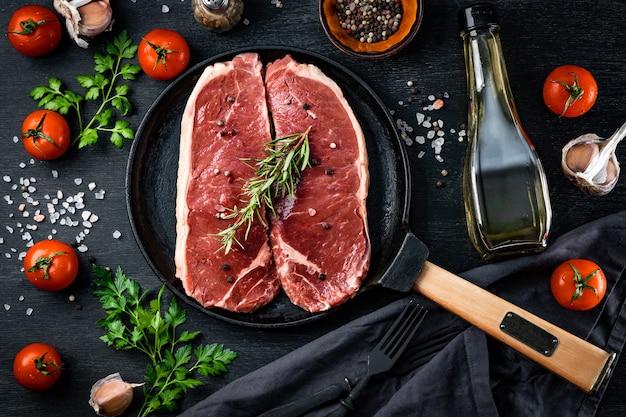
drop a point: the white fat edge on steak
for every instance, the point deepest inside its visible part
(185, 165)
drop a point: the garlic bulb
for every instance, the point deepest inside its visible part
(85, 19)
(591, 163)
(111, 395)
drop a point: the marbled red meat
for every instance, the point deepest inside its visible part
(319, 238)
(225, 119)
(320, 249)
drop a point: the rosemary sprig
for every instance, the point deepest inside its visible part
(276, 176)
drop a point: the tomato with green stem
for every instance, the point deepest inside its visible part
(34, 30)
(51, 265)
(163, 54)
(46, 134)
(578, 284)
(570, 91)
(37, 366)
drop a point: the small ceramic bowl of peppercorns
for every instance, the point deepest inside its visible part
(371, 28)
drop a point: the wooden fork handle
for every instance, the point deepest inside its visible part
(567, 355)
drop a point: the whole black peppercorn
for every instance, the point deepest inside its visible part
(374, 22)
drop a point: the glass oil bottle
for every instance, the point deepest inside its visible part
(507, 204)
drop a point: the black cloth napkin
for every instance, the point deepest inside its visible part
(473, 375)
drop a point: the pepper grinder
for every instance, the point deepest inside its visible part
(217, 15)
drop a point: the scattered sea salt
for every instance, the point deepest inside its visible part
(60, 209)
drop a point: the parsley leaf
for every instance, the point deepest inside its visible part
(103, 86)
(133, 322)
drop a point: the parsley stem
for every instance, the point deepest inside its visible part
(151, 327)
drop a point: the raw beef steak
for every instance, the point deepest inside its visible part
(319, 239)
(226, 119)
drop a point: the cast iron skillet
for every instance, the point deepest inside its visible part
(152, 171)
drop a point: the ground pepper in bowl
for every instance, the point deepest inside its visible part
(369, 20)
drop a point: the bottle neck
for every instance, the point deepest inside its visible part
(484, 59)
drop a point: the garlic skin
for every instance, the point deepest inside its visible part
(591, 163)
(111, 395)
(85, 19)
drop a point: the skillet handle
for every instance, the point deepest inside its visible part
(563, 353)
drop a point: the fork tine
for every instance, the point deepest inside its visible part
(408, 333)
(407, 315)
(397, 323)
(398, 341)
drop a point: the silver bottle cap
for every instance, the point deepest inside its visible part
(216, 6)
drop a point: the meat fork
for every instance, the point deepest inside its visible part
(414, 357)
(386, 352)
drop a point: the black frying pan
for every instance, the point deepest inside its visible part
(152, 173)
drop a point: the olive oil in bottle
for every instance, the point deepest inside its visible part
(505, 191)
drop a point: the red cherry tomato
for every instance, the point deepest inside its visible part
(570, 91)
(46, 134)
(51, 265)
(34, 30)
(37, 366)
(163, 54)
(578, 284)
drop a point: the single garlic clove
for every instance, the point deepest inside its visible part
(111, 395)
(85, 19)
(591, 163)
(581, 155)
(97, 16)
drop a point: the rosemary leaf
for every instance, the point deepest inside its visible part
(276, 176)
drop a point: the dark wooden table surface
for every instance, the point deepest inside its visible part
(536, 35)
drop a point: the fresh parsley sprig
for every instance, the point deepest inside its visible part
(133, 322)
(104, 86)
(276, 176)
